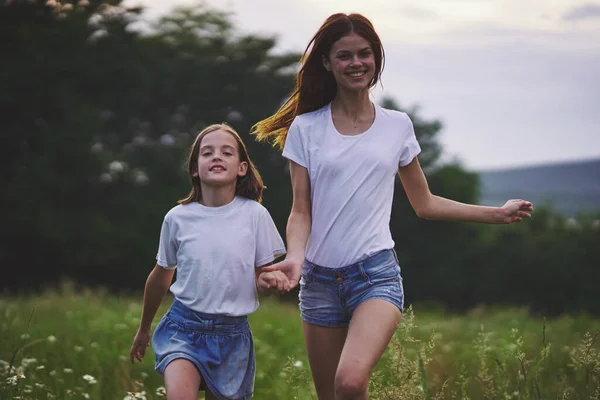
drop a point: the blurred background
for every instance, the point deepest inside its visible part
(100, 101)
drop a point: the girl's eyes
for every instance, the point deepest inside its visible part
(209, 153)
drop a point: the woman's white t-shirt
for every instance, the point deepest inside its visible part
(216, 251)
(351, 181)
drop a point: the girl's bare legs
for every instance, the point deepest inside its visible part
(324, 347)
(182, 380)
(371, 329)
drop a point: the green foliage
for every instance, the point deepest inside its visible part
(97, 119)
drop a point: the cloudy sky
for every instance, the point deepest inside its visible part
(515, 83)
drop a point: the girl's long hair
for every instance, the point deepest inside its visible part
(315, 86)
(249, 186)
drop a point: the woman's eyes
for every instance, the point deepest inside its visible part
(347, 56)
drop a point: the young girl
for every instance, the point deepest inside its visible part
(217, 238)
(344, 153)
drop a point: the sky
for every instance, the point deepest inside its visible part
(514, 83)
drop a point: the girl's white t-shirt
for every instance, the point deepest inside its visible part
(216, 251)
(351, 181)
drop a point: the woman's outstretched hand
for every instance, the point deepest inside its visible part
(516, 210)
(290, 268)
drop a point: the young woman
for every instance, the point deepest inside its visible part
(344, 153)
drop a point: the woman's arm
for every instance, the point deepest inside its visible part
(430, 206)
(298, 226)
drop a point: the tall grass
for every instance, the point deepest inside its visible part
(68, 345)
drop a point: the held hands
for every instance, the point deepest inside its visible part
(140, 342)
(290, 268)
(275, 280)
(515, 211)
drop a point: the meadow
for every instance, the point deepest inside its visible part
(64, 344)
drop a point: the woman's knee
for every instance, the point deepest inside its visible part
(351, 384)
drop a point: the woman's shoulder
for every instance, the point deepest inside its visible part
(312, 117)
(394, 115)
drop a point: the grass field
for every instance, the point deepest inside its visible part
(63, 345)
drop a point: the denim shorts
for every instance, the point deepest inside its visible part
(221, 347)
(329, 296)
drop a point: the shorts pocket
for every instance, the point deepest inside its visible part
(376, 274)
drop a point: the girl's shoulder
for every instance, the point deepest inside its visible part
(177, 212)
(252, 206)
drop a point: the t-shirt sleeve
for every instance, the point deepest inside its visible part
(269, 244)
(167, 248)
(410, 149)
(294, 148)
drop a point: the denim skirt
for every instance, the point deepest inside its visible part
(221, 347)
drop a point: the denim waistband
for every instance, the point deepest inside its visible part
(198, 321)
(316, 272)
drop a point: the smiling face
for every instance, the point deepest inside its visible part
(219, 159)
(352, 62)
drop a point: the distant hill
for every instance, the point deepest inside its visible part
(569, 187)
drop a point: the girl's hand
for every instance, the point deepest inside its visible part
(140, 342)
(516, 210)
(275, 280)
(291, 269)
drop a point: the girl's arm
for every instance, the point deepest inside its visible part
(298, 226)
(267, 282)
(157, 284)
(430, 206)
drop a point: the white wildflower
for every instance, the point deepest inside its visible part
(14, 379)
(68, 371)
(117, 166)
(51, 338)
(298, 364)
(90, 379)
(167, 139)
(28, 361)
(161, 391)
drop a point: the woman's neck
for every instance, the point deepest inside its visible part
(355, 105)
(217, 196)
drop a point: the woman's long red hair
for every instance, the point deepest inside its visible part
(315, 86)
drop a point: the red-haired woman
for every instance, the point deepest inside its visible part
(344, 153)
